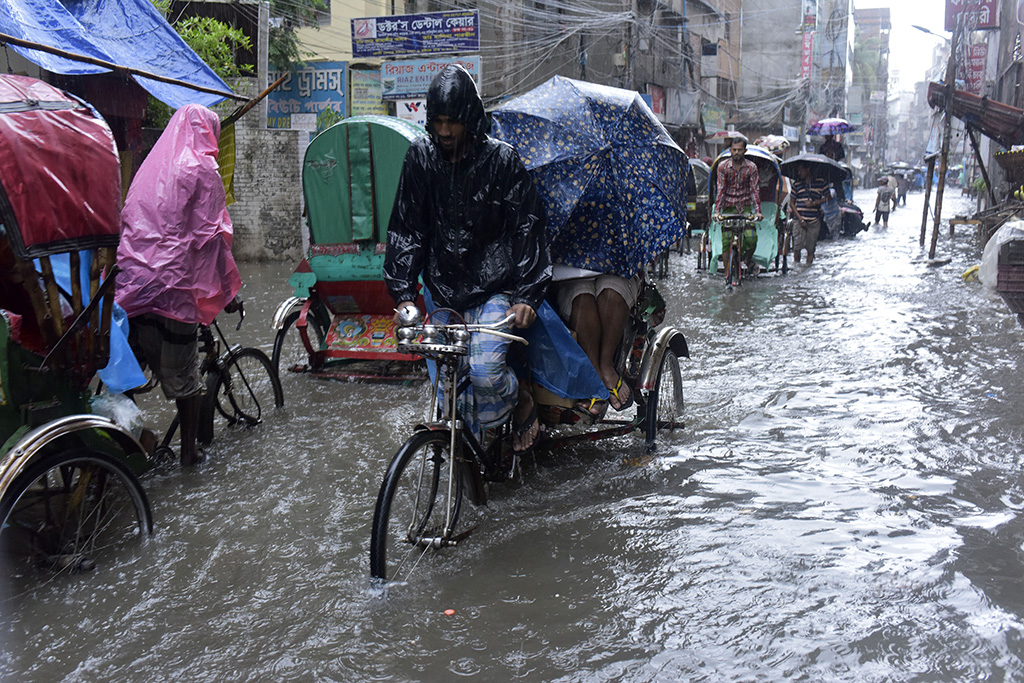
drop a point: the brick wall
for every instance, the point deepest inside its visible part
(267, 215)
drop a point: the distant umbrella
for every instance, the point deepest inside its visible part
(831, 127)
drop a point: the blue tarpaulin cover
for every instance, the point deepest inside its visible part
(129, 33)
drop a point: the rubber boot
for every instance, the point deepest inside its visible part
(188, 410)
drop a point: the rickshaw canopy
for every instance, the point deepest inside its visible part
(38, 125)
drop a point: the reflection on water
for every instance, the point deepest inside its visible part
(844, 504)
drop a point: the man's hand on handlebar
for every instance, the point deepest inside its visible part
(524, 313)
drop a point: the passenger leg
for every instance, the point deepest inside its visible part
(613, 313)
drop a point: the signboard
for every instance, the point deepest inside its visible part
(714, 118)
(411, 34)
(985, 12)
(810, 15)
(709, 60)
(310, 90)
(657, 103)
(414, 110)
(977, 55)
(877, 96)
(682, 107)
(791, 133)
(364, 93)
(807, 54)
(410, 78)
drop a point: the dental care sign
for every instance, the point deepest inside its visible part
(412, 34)
(410, 78)
(985, 12)
(310, 90)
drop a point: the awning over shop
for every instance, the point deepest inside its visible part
(129, 33)
(1001, 122)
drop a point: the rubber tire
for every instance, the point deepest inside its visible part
(398, 488)
(56, 468)
(662, 397)
(736, 268)
(241, 406)
(288, 339)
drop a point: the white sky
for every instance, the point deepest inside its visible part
(910, 50)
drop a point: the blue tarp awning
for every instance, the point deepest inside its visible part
(129, 33)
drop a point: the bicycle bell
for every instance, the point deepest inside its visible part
(409, 315)
(461, 337)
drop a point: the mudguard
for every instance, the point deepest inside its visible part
(283, 309)
(35, 443)
(663, 340)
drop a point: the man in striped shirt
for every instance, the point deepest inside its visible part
(738, 192)
(806, 197)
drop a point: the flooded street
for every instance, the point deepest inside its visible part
(845, 503)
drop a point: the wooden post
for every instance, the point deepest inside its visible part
(927, 197)
(947, 133)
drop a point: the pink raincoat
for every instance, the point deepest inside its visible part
(175, 250)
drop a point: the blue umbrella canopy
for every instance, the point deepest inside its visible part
(612, 180)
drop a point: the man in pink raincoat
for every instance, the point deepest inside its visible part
(177, 270)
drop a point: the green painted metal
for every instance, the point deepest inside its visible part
(349, 178)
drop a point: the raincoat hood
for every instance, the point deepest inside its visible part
(453, 94)
(175, 250)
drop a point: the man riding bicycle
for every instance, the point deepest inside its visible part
(738, 193)
(468, 218)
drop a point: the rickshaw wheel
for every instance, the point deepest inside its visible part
(664, 408)
(410, 517)
(247, 388)
(289, 351)
(70, 511)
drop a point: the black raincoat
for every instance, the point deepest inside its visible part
(473, 228)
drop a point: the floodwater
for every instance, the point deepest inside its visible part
(844, 504)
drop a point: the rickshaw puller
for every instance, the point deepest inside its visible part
(738, 193)
(468, 218)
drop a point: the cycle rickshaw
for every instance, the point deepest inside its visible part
(339, 322)
(70, 497)
(769, 252)
(443, 465)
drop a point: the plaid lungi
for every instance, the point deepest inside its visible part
(493, 389)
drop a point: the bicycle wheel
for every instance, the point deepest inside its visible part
(417, 503)
(735, 267)
(289, 351)
(247, 388)
(664, 409)
(71, 510)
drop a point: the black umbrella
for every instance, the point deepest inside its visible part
(821, 167)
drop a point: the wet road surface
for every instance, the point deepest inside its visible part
(845, 503)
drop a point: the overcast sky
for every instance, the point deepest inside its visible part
(910, 50)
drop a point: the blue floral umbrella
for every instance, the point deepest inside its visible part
(612, 180)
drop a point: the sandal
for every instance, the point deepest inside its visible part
(616, 396)
(594, 408)
(522, 430)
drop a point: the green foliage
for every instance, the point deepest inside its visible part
(216, 43)
(285, 17)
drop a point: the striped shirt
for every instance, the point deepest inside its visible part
(737, 187)
(804, 193)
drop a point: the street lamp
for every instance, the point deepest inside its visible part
(922, 29)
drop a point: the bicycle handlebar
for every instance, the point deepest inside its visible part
(457, 334)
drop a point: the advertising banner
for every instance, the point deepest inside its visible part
(309, 90)
(411, 34)
(657, 103)
(977, 55)
(410, 78)
(414, 110)
(364, 93)
(807, 54)
(985, 12)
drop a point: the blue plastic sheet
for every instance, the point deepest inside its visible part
(123, 371)
(556, 361)
(127, 32)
